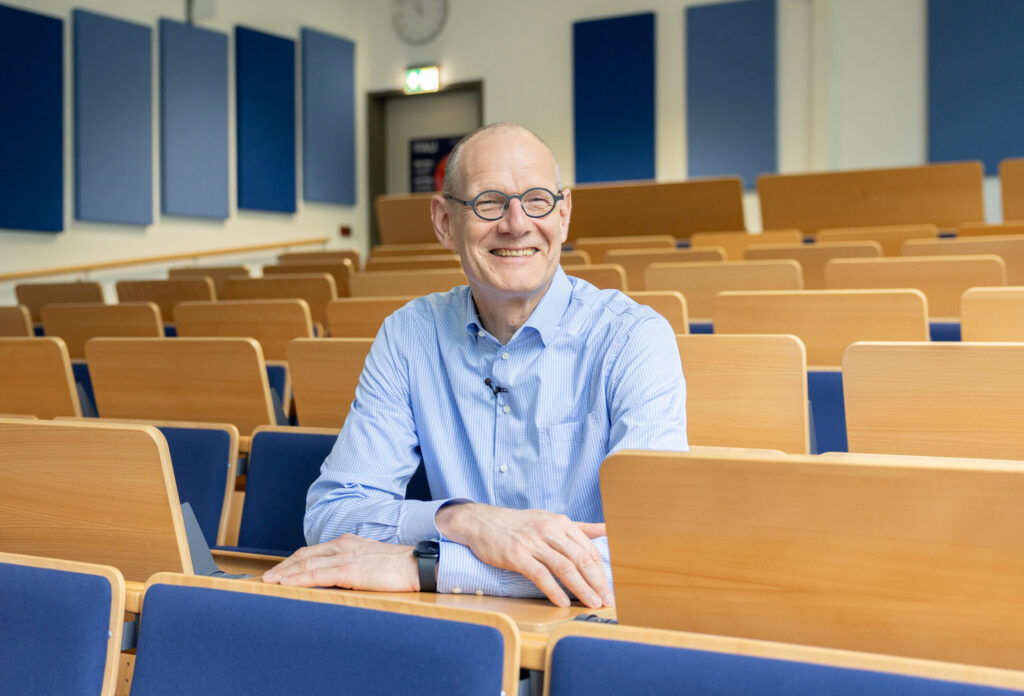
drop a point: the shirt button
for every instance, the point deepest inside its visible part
(479, 593)
(503, 468)
(506, 408)
(456, 590)
(481, 332)
(504, 356)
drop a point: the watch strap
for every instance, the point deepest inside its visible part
(427, 554)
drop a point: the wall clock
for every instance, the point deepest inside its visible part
(418, 21)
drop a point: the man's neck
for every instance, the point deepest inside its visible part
(502, 318)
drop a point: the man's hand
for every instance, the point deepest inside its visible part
(351, 562)
(538, 544)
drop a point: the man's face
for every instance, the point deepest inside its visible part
(517, 255)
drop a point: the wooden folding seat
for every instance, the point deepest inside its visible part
(699, 282)
(992, 314)
(597, 247)
(899, 556)
(218, 274)
(890, 238)
(667, 303)
(1011, 186)
(317, 289)
(15, 321)
(388, 283)
(735, 243)
(327, 255)
(325, 374)
(431, 248)
(77, 323)
(361, 317)
(273, 323)
(574, 258)
(166, 293)
(636, 261)
(404, 220)
(607, 276)
(413, 263)
(36, 295)
(341, 271)
(1010, 248)
(36, 378)
(813, 257)
(985, 229)
(746, 391)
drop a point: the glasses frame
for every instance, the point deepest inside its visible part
(471, 203)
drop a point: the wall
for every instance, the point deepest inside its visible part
(89, 242)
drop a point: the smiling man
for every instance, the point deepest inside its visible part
(511, 391)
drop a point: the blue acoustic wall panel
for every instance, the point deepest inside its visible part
(31, 121)
(975, 80)
(613, 98)
(328, 118)
(113, 120)
(730, 89)
(193, 121)
(265, 114)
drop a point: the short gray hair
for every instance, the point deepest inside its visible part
(453, 183)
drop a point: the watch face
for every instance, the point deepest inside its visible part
(418, 21)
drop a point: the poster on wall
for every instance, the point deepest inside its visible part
(427, 159)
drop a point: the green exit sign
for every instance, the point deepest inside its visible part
(425, 78)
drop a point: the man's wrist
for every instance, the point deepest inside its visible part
(427, 554)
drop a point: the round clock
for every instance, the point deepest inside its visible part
(418, 21)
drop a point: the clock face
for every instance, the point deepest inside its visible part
(418, 21)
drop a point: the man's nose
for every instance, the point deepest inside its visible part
(515, 218)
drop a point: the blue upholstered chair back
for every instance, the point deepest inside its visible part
(54, 628)
(586, 666)
(195, 640)
(200, 457)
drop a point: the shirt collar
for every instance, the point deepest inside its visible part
(546, 316)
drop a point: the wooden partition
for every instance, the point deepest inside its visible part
(405, 218)
(326, 256)
(597, 247)
(942, 279)
(77, 323)
(15, 321)
(945, 195)
(273, 323)
(36, 379)
(361, 317)
(37, 295)
(667, 303)
(891, 238)
(607, 276)
(389, 283)
(91, 492)
(938, 399)
(636, 261)
(166, 293)
(984, 229)
(413, 263)
(317, 289)
(214, 380)
(574, 258)
(341, 271)
(1010, 248)
(1011, 180)
(218, 274)
(992, 314)
(746, 391)
(700, 282)
(431, 248)
(677, 208)
(813, 257)
(898, 558)
(827, 321)
(735, 243)
(325, 373)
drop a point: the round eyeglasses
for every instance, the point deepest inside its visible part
(491, 205)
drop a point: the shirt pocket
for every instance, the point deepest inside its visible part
(570, 454)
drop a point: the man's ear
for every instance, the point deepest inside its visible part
(564, 213)
(440, 215)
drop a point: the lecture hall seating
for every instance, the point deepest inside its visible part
(606, 276)
(813, 257)
(1010, 248)
(413, 263)
(332, 255)
(597, 247)
(914, 557)
(317, 289)
(36, 295)
(735, 243)
(574, 258)
(985, 229)
(273, 323)
(36, 378)
(890, 238)
(593, 659)
(166, 293)
(1011, 180)
(428, 248)
(218, 274)
(325, 373)
(992, 314)
(77, 323)
(404, 219)
(15, 321)
(385, 283)
(667, 303)
(341, 271)
(945, 195)
(61, 628)
(361, 317)
(636, 261)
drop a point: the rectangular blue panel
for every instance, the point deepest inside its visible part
(613, 98)
(975, 80)
(193, 121)
(265, 112)
(113, 120)
(31, 121)
(328, 118)
(731, 90)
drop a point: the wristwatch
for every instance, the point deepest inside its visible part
(427, 552)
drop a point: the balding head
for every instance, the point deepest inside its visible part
(454, 174)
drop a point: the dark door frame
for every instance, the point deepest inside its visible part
(376, 136)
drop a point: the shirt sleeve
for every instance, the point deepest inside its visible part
(646, 390)
(361, 487)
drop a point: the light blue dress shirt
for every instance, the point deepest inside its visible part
(589, 373)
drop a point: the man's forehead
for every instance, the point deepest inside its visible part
(506, 150)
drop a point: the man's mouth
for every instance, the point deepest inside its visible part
(514, 252)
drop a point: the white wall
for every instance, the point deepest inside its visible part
(82, 242)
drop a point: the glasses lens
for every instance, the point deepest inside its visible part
(538, 202)
(490, 205)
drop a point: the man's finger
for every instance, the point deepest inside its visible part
(580, 568)
(539, 575)
(593, 530)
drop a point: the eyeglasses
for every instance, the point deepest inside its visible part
(491, 205)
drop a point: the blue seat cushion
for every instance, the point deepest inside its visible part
(825, 392)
